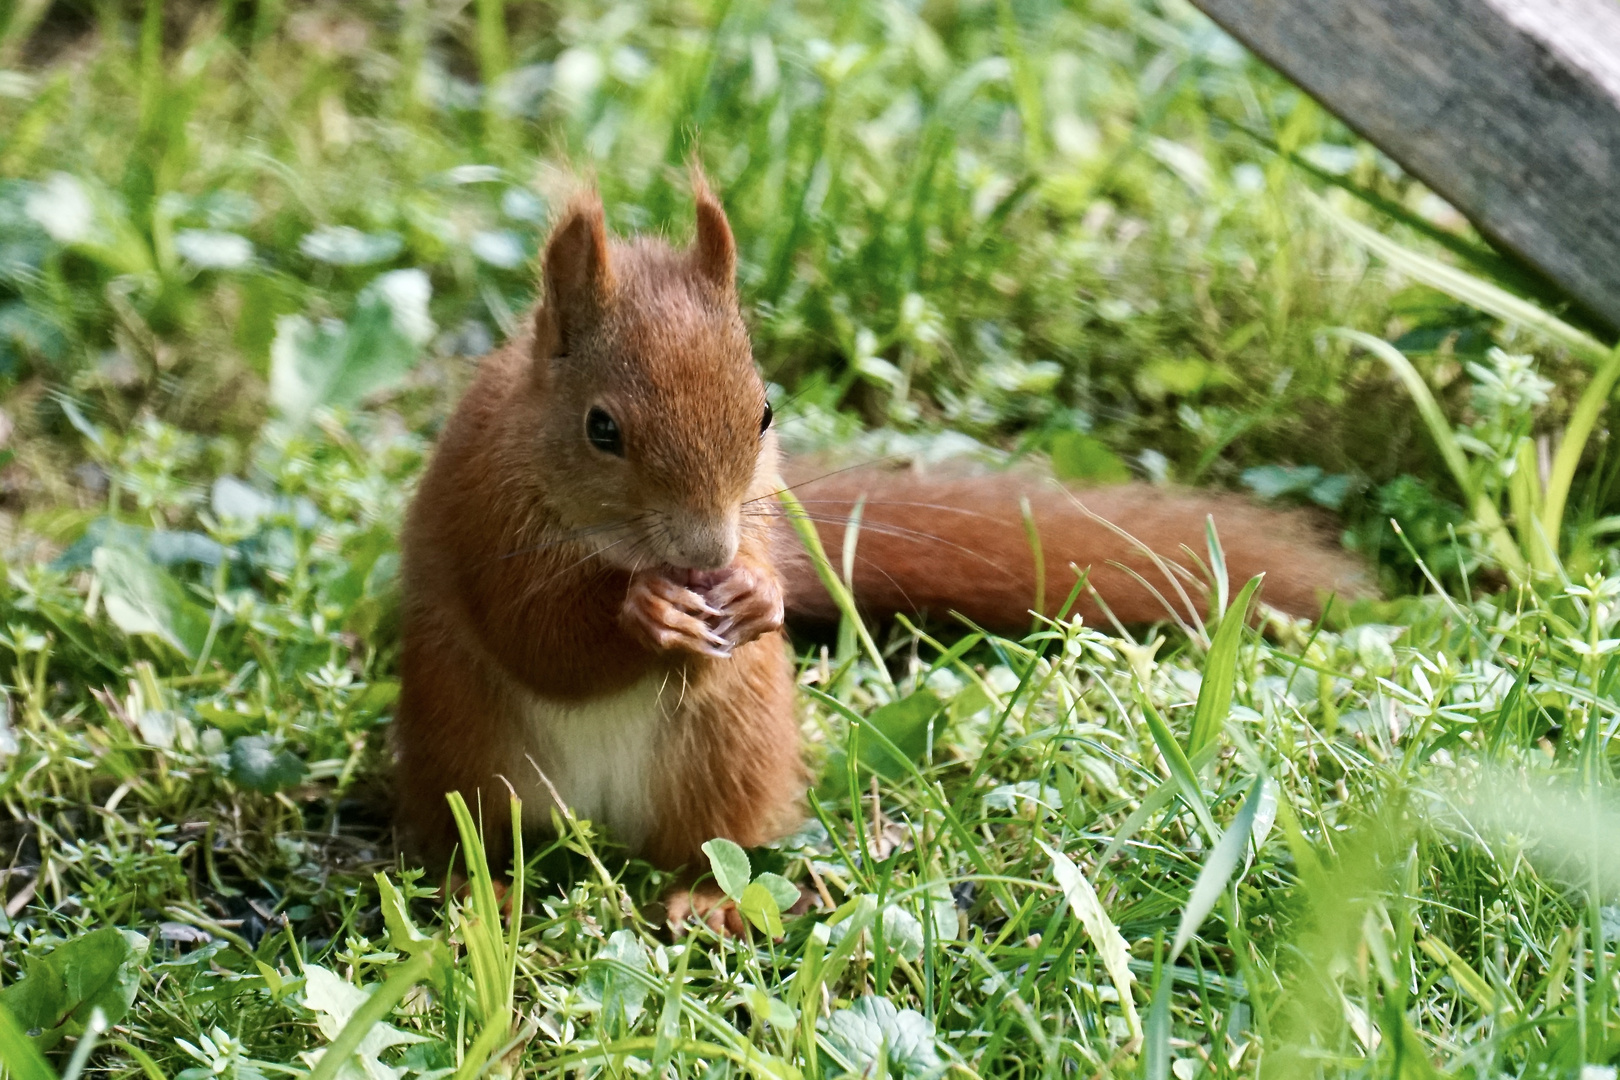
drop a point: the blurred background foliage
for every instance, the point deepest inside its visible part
(1070, 229)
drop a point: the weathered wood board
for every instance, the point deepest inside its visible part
(1509, 109)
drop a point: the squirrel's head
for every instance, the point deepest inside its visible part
(650, 407)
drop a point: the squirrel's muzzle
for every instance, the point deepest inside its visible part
(699, 541)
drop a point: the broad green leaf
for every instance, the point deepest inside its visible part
(336, 1002)
(257, 763)
(904, 723)
(609, 985)
(353, 1018)
(59, 991)
(141, 598)
(776, 1012)
(1275, 481)
(873, 1029)
(344, 245)
(1220, 672)
(213, 249)
(272, 979)
(783, 891)
(402, 932)
(1217, 870)
(902, 932)
(340, 363)
(730, 865)
(759, 907)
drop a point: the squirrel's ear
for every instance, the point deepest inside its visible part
(714, 252)
(577, 275)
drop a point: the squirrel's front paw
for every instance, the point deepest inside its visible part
(703, 903)
(668, 615)
(750, 601)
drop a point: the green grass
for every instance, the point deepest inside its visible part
(1381, 848)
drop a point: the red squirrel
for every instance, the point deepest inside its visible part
(596, 572)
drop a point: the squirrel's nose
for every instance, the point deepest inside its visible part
(700, 541)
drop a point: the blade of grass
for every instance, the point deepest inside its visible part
(1217, 870)
(806, 530)
(1593, 400)
(848, 629)
(1181, 769)
(669, 1020)
(943, 805)
(87, 1042)
(19, 1053)
(1465, 287)
(1110, 944)
(494, 960)
(1156, 1036)
(1220, 671)
(1156, 801)
(1217, 569)
(1033, 535)
(1486, 260)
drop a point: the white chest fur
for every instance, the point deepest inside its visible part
(599, 756)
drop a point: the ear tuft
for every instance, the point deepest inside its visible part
(714, 252)
(577, 276)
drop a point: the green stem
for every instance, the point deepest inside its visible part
(829, 577)
(1568, 458)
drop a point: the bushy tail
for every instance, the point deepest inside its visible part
(936, 545)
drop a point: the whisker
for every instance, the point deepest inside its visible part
(902, 533)
(825, 475)
(577, 562)
(576, 534)
(904, 503)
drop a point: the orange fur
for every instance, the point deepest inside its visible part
(522, 629)
(940, 544)
(594, 607)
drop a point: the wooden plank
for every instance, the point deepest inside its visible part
(1509, 109)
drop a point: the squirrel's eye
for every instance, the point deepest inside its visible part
(603, 432)
(765, 421)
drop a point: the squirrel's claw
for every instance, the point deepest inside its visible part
(752, 602)
(731, 608)
(668, 617)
